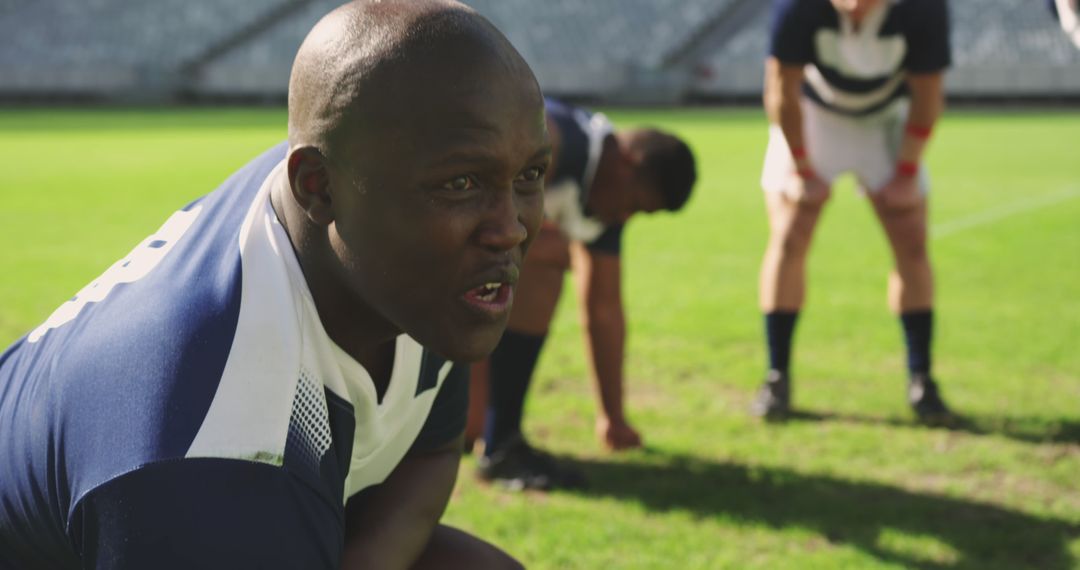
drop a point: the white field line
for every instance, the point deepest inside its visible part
(994, 215)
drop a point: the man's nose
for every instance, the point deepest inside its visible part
(503, 227)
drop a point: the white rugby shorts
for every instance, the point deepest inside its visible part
(838, 144)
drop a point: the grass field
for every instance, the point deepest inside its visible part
(853, 483)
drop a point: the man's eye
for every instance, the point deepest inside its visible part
(533, 174)
(459, 184)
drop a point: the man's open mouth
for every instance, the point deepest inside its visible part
(494, 293)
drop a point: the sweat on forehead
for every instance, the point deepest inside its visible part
(337, 71)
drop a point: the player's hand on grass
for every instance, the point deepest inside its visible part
(617, 435)
(807, 188)
(900, 193)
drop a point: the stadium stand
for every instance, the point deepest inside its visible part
(620, 46)
(114, 45)
(596, 48)
(261, 66)
(610, 50)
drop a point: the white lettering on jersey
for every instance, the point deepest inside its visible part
(131, 268)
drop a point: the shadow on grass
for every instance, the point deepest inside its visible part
(1029, 430)
(843, 512)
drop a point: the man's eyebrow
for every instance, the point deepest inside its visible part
(544, 152)
(480, 155)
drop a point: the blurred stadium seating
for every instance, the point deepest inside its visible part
(607, 50)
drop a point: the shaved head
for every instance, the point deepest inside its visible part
(414, 180)
(362, 55)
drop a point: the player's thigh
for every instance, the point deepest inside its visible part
(550, 248)
(453, 548)
(540, 284)
(791, 225)
(906, 229)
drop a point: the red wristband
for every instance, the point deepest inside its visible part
(907, 168)
(919, 132)
(798, 152)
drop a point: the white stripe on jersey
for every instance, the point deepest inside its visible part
(280, 344)
(562, 201)
(850, 101)
(858, 54)
(249, 416)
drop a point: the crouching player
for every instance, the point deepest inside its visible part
(599, 178)
(266, 382)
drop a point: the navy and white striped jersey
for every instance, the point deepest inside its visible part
(188, 410)
(582, 135)
(859, 71)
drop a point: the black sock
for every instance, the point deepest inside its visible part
(918, 331)
(779, 329)
(511, 370)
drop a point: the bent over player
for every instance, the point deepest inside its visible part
(599, 178)
(851, 86)
(265, 381)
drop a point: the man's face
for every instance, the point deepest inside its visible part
(621, 191)
(632, 197)
(439, 197)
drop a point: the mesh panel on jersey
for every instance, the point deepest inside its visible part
(309, 426)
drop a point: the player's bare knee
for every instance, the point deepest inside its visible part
(791, 243)
(901, 211)
(550, 249)
(912, 253)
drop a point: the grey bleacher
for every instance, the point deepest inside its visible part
(1011, 46)
(585, 47)
(599, 32)
(736, 68)
(262, 65)
(599, 46)
(615, 50)
(110, 43)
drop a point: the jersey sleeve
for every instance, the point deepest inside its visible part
(448, 413)
(791, 32)
(927, 33)
(207, 513)
(609, 242)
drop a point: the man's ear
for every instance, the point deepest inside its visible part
(309, 180)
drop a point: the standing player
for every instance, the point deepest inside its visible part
(599, 178)
(264, 382)
(851, 86)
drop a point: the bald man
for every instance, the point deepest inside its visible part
(266, 381)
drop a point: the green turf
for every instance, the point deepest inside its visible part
(854, 484)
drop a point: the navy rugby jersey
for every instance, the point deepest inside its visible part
(188, 410)
(858, 72)
(581, 144)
